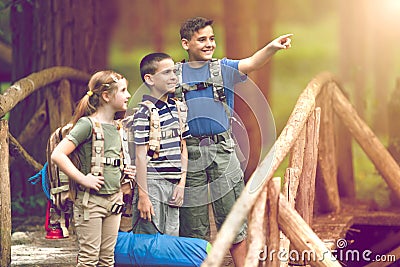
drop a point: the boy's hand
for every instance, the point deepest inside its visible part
(145, 208)
(282, 42)
(177, 196)
(130, 171)
(93, 182)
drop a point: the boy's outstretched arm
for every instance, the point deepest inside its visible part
(262, 56)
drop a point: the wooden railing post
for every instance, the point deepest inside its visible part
(5, 198)
(327, 191)
(274, 189)
(306, 193)
(257, 232)
(290, 186)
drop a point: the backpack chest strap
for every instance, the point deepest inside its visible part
(215, 81)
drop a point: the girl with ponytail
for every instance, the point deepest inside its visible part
(96, 224)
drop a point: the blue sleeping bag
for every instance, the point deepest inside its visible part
(159, 250)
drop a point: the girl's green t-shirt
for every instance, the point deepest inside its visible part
(81, 136)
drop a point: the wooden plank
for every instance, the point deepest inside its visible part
(378, 218)
(5, 197)
(332, 227)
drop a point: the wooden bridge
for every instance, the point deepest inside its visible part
(280, 218)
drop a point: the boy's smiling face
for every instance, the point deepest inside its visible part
(164, 80)
(201, 46)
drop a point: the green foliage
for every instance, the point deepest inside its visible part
(18, 4)
(30, 205)
(369, 184)
(5, 4)
(314, 49)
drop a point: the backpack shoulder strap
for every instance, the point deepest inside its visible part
(181, 108)
(216, 79)
(179, 88)
(97, 164)
(155, 128)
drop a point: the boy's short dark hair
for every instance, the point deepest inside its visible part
(148, 64)
(192, 25)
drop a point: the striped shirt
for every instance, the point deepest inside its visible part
(168, 164)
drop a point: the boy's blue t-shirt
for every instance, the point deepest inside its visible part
(205, 115)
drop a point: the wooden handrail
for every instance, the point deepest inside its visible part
(291, 223)
(13, 95)
(24, 87)
(304, 107)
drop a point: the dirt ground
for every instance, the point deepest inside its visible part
(30, 248)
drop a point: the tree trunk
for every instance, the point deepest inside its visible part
(239, 31)
(353, 54)
(49, 33)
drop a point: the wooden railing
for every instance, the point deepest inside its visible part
(12, 96)
(300, 137)
(308, 138)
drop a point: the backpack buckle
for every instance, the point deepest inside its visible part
(117, 208)
(117, 162)
(112, 161)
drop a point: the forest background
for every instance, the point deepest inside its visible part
(355, 40)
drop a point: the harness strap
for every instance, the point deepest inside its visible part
(63, 226)
(155, 129)
(59, 189)
(116, 162)
(180, 107)
(215, 81)
(170, 133)
(97, 164)
(113, 207)
(178, 88)
(152, 222)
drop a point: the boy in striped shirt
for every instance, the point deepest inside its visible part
(161, 180)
